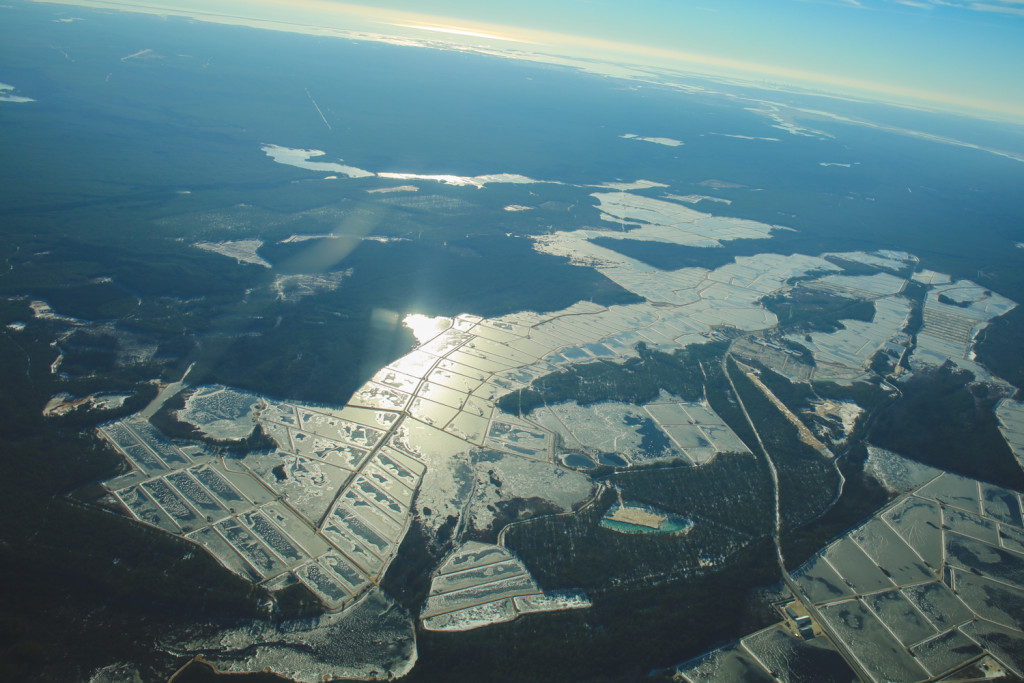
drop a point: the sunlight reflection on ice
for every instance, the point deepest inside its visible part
(424, 327)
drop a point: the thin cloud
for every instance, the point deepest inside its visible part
(998, 9)
(837, 3)
(1013, 8)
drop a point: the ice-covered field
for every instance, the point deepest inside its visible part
(292, 288)
(374, 638)
(700, 300)
(658, 220)
(626, 434)
(64, 403)
(1011, 424)
(418, 435)
(302, 158)
(923, 587)
(895, 472)
(243, 251)
(347, 508)
(7, 94)
(220, 412)
(329, 506)
(954, 314)
(667, 142)
(844, 355)
(480, 584)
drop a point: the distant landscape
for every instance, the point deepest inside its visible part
(326, 357)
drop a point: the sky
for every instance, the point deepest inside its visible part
(956, 55)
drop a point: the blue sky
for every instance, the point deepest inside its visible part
(959, 55)
(965, 53)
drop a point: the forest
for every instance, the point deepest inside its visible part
(945, 419)
(59, 553)
(636, 380)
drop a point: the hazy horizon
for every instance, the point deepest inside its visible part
(944, 56)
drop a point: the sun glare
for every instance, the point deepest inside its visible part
(460, 32)
(424, 327)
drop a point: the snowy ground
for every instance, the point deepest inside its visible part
(922, 588)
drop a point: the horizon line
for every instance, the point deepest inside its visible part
(595, 52)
